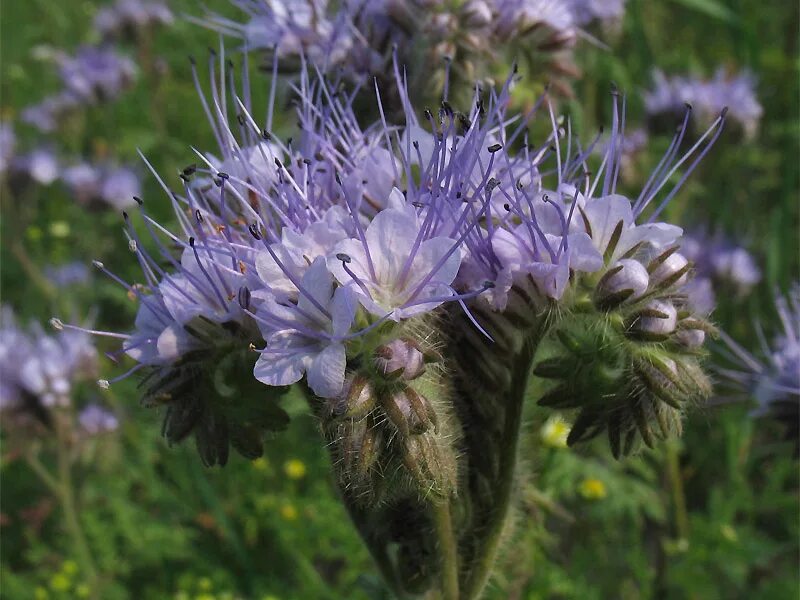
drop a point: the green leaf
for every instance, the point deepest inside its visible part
(712, 8)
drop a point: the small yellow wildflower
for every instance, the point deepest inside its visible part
(729, 533)
(82, 591)
(60, 582)
(260, 464)
(59, 229)
(40, 594)
(295, 469)
(205, 596)
(593, 489)
(555, 431)
(69, 567)
(289, 512)
(34, 233)
(204, 584)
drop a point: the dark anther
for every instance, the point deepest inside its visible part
(230, 64)
(223, 175)
(253, 229)
(688, 105)
(417, 204)
(244, 297)
(495, 148)
(138, 200)
(266, 135)
(307, 161)
(191, 242)
(458, 194)
(448, 110)
(507, 206)
(487, 285)
(198, 216)
(124, 215)
(724, 112)
(192, 61)
(211, 51)
(491, 184)
(428, 114)
(240, 119)
(185, 177)
(415, 143)
(345, 258)
(190, 170)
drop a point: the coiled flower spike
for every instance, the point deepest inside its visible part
(408, 277)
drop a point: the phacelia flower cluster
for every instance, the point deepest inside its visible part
(320, 256)
(669, 95)
(772, 378)
(360, 38)
(129, 17)
(38, 372)
(720, 265)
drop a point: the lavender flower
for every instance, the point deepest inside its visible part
(131, 16)
(737, 92)
(38, 370)
(40, 165)
(47, 115)
(8, 142)
(96, 73)
(96, 420)
(724, 263)
(772, 378)
(586, 11)
(63, 276)
(114, 186)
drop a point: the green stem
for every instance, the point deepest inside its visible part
(68, 506)
(678, 496)
(448, 548)
(482, 569)
(32, 271)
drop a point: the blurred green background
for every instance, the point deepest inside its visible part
(714, 515)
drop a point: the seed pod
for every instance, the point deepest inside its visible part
(358, 400)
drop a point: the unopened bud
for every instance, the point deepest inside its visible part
(56, 324)
(669, 271)
(627, 279)
(132, 246)
(658, 318)
(399, 358)
(103, 384)
(410, 412)
(358, 399)
(691, 338)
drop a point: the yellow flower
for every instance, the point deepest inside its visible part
(59, 229)
(205, 596)
(69, 567)
(289, 512)
(60, 582)
(40, 594)
(729, 533)
(555, 431)
(82, 590)
(593, 489)
(295, 469)
(261, 464)
(204, 584)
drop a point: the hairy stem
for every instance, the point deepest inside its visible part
(448, 548)
(482, 568)
(678, 497)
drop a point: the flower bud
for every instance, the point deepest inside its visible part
(668, 269)
(626, 280)
(657, 320)
(410, 412)
(691, 338)
(357, 400)
(399, 358)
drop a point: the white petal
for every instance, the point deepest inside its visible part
(390, 238)
(281, 369)
(604, 214)
(343, 310)
(326, 372)
(317, 285)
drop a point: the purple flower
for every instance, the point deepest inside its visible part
(83, 181)
(40, 165)
(40, 368)
(63, 276)
(96, 420)
(308, 338)
(47, 114)
(8, 142)
(707, 97)
(96, 73)
(131, 16)
(586, 11)
(119, 186)
(772, 378)
(716, 257)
